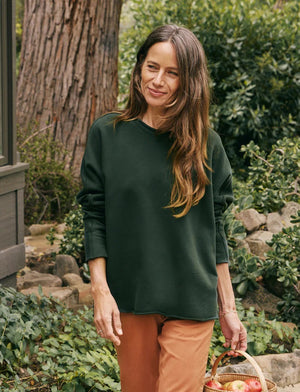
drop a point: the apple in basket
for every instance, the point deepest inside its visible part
(253, 384)
(214, 384)
(236, 386)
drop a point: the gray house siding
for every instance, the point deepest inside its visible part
(12, 248)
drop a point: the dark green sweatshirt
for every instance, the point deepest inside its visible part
(156, 263)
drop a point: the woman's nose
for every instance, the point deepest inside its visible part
(158, 80)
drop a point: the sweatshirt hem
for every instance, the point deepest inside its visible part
(195, 318)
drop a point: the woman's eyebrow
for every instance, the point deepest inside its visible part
(154, 63)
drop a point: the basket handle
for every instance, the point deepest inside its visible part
(250, 359)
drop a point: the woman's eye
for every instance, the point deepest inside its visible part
(151, 66)
(173, 73)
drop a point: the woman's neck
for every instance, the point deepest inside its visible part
(153, 118)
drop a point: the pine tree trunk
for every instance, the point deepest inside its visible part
(68, 68)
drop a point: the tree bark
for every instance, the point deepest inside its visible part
(68, 68)
(280, 4)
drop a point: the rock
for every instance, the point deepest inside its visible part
(72, 280)
(23, 271)
(34, 278)
(68, 295)
(60, 229)
(42, 263)
(291, 208)
(84, 289)
(40, 229)
(243, 244)
(282, 369)
(38, 244)
(26, 231)
(274, 286)
(251, 219)
(85, 295)
(274, 222)
(65, 264)
(257, 242)
(261, 300)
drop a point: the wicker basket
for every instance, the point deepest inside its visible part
(267, 385)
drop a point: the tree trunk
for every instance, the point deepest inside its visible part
(68, 68)
(280, 4)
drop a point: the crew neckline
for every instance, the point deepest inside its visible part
(146, 126)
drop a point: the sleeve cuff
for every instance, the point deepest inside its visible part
(222, 253)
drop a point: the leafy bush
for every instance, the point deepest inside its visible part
(72, 242)
(274, 177)
(44, 345)
(253, 61)
(246, 268)
(263, 336)
(281, 270)
(49, 188)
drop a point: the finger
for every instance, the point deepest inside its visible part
(227, 342)
(117, 323)
(243, 340)
(109, 333)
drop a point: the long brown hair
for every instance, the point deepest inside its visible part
(186, 116)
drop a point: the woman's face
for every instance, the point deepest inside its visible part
(159, 76)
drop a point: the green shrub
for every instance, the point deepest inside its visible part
(274, 177)
(72, 242)
(45, 345)
(263, 336)
(246, 268)
(253, 61)
(281, 271)
(49, 188)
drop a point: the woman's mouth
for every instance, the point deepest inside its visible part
(156, 93)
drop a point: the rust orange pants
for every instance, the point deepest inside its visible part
(160, 354)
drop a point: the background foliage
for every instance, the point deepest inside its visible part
(46, 347)
(253, 59)
(49, 188)
(273, 177)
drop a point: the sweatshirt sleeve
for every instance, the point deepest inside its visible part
(92, 197)
(223, 197)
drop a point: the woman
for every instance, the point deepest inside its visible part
(156, 180)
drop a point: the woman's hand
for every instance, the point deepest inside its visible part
(234, 332)
(232, 328)
(106, 312)
(107, 315)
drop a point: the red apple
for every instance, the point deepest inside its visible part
(236, 386)
(253, 384)
(214, 384)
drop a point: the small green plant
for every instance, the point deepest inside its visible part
(44, 345)
(49, 188)
(72, 242)
(234, 230)
(263, 336)
(273, 178)
(246, 268)
(281, 270)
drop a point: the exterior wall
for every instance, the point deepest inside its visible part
(12, 248)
